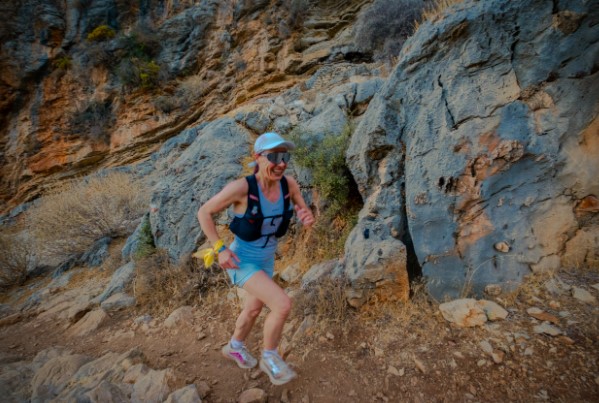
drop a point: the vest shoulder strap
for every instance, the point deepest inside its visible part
(253, 195)
(285, 188)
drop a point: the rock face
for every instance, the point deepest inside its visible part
(51, 73)
(488, 125)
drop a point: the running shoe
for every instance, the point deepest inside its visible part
(277, 370)
(241, 356)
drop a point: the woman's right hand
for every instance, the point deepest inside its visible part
(227, 259)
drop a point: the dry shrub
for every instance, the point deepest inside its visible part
(324, 241)
(189, 91)
(15, 256)
(385, 26)
(161, 286)
(68, 222)
(399, 316)
(530, 288)
(325, 300)
(434, 10)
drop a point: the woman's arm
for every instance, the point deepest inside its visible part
(303, 211)
(234, 192)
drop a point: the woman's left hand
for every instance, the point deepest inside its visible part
(305, 215)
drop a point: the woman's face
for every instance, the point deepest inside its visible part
(270, 170)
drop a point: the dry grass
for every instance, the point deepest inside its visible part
(161, 286)
(86, 275)
(326, 301)
(324, 241)
(69, 221)
(434, 11)
(15, 256)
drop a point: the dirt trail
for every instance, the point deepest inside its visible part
(404, 354)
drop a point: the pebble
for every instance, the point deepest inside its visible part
(497, 356)
(493, 290)
(486, 347)
(419, 365)
(330, 336)
(541, 315)
(254, 395)
(392, 370)
(583, 295)
(480, 363)
(502, 247)
(546, 328)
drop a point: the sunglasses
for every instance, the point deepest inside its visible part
(278, 157)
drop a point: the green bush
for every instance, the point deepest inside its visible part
(63, 63)
(325, 158)
(101, 33)
(340, 199)
(138, 73)
(146, 245)
(386, 24)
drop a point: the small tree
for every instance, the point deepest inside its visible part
(101, 33)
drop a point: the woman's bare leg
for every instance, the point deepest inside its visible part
(261, 287)
(251, 309)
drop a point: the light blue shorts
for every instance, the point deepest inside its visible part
(246, 270)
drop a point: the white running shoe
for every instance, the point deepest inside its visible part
(241, 356)
(277, 370)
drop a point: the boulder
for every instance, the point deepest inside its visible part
(474, 125)
(468, 312)
(202, 170)
(120, 280)
(180, 316)
(90, 322)
(187, 394)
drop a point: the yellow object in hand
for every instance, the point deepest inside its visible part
(209, 255)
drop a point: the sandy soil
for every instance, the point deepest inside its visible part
(383, 353)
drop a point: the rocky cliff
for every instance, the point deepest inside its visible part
(483, 146)
(73, 103)
(475, 158)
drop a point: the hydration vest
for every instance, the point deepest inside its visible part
(249, 226)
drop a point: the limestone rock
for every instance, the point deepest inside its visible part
(50, 380)
(180, 316)
(118, 282)
(469, 312)
(254, 395)
(117, 302)
(463, 312)
(541, 315)
(583, 295)
(468, 184)
(90, 322)
(197, 174)
(547, 328)
(492, 309)
(153, 386)
(187, 394)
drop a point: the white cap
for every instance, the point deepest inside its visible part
(270, 140)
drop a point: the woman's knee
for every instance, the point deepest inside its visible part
(253, 312)
(283, 306)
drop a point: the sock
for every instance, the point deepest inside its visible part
(236, 344)
(266, 353)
